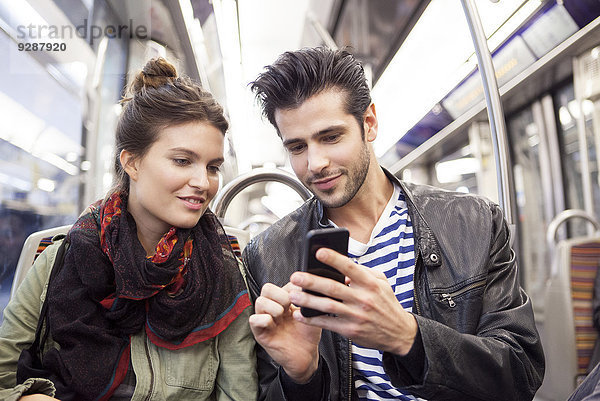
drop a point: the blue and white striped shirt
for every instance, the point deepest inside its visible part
(390, 250)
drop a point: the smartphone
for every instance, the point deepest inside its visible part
(332, 238)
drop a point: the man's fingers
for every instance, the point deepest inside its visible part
(322, 285)
(378, 275)
(326, 322)
(343, 264)
(261, 322)
(276, 294)
(352, 270)
(323, 304)
(266, 305)
(289, 287)
(262, 327)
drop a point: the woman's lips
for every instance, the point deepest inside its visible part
(193, 202)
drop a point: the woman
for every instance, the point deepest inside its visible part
(149, 303)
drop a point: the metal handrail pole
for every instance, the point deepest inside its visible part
(563, 217)
(221, 201)
(494, 109)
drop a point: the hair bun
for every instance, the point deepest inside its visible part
(156, 72)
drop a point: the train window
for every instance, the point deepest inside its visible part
(469, 164)
(458, 171)
(533, 189)
(40, 149)
(45, 174)
(575, 151)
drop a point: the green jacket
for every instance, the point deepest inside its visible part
(222, 368)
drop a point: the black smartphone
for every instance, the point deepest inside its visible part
(332, 238)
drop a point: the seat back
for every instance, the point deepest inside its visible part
(238, 238)
(584, 265)
(567, 331)
(33, 246)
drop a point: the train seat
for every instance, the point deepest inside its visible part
(38, 241)
(33, 246)
(568, 334)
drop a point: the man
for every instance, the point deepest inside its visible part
(432, 307)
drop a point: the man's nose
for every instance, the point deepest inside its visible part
(317, 159)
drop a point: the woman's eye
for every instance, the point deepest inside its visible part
(181, 162)
(214, 169)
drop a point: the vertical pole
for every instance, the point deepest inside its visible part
(494, 109)
(586, 168)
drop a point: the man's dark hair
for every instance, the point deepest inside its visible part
(297, 75)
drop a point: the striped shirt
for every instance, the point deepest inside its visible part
(390, 250)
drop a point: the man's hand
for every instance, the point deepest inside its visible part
(368, 313)
(292, 344)
(37, 397)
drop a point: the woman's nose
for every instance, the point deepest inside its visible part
(199, 179)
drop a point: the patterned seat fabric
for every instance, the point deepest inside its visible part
(584, 266)
(44, 243)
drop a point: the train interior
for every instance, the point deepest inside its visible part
(60, 102)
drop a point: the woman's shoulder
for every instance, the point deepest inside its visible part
(38, 276)
(44, 261)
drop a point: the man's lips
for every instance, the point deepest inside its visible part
(326, 183)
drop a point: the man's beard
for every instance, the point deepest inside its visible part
(356, 174)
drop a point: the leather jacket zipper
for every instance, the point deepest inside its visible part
(349, 370)
(447, 297)
(415, 293)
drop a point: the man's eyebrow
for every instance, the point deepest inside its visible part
(327, 130)
(292, 141)
(218, 160)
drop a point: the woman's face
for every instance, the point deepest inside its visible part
(176, 179)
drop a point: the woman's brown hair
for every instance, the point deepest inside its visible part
(156, 99)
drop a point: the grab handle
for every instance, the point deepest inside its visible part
(564, 216)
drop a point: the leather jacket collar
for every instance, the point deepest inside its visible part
(424, 237)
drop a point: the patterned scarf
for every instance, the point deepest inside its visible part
(108, 290)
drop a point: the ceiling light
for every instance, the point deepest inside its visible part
(46, 185)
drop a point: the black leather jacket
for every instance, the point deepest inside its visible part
(476, 323)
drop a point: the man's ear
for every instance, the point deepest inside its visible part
(129, 163)
(370, 123)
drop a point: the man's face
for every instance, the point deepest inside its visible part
(327, 148)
